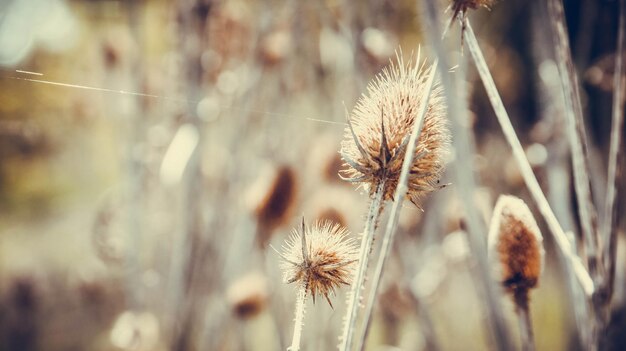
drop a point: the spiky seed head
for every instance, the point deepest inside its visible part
(515, 248)
(380, 126)
(460, 7)
(323, 263)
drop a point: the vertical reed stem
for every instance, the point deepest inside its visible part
(299, 319)
(527, 173)
(464, 175)
(526, 329)
(576, 136)
(609, 225)
(399, 196)
(376, 207)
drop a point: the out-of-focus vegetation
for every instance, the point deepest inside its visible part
(152, 151)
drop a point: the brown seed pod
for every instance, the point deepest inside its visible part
(247, 296)
(379, 129)
(272, 199)
(319, 258)
(515, 248)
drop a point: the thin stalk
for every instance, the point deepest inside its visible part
(367, 239)
(400, 193)
(609, 227)
(464, 175)
(576, 135)
(527, 173)
(526, 329)
(299, 319)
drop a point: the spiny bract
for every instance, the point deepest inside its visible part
(325, 263)
(380, 127)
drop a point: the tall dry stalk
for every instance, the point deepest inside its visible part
(463, 175)
(367, 239)
(610, 223)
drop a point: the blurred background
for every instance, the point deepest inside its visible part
(152, 151)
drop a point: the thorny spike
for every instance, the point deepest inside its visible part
(401, 148)
(356, 179)
(328, 299)
(384, 148)
(283, 256)
(355, 165)
(356, 139)
(305, 254)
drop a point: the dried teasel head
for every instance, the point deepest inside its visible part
(272, 199)
(247, 296)
(379, 129)
(459, 10)
(320, 258)
(515, 248)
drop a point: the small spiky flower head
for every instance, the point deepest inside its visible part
(379, 129)
(515, 248)
(319, 258)
(459, 11)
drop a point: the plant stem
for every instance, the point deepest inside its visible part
(367, 239)
(609, 227)
(576, 135)
(526, 329)
(464, 175)
(527, 173)
(299, 319)
(400, 193)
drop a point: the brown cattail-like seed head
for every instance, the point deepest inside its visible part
(272, 199)
(320, 258)
(515, 248)
(378, 131)
(247, 296)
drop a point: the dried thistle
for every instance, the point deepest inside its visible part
(459, 11)
(247, 296)
(272, 198)
(516, 243)
(319, 258)
(378, 132)
(516, 246)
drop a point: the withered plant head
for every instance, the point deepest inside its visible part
(459, 11)
(379, 129)
(516, 248)
(272, 199)
(248, 295)
(320, 258)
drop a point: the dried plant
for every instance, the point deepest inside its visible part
(379, 129)
(516, 250)
(272, 198)
(374, 149)
(319, 259)
(459, 10)
(248, 295)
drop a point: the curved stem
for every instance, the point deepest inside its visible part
(399, 195)
(367, 239)
(299, 319)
